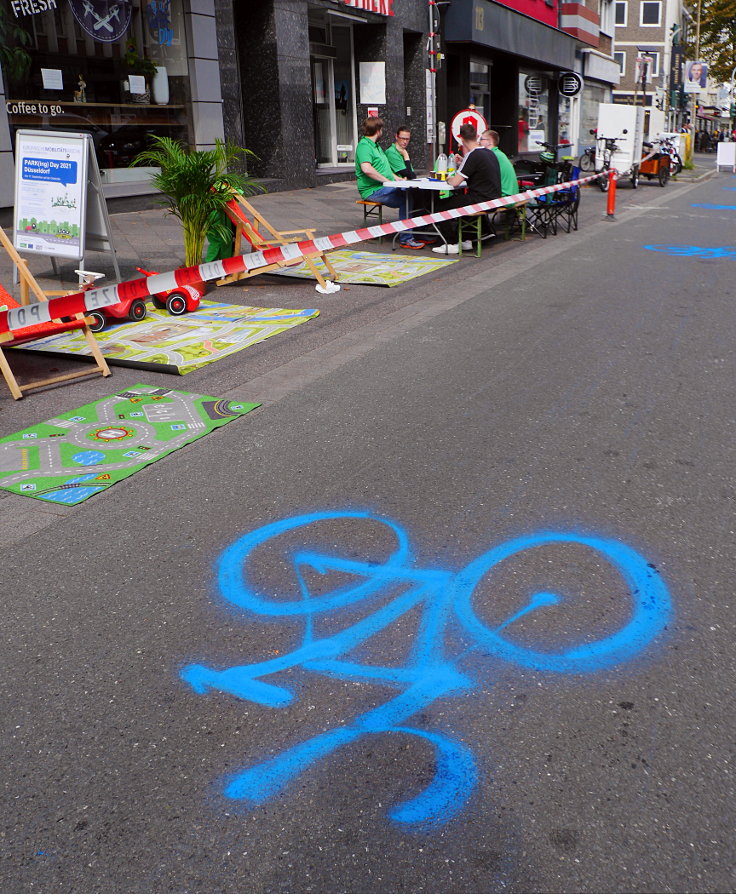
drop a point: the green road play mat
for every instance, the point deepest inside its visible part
(77, 454)
(181, 344)
(369, 268)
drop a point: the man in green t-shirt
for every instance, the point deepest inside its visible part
(398, 154)
(490, 139)
(372, 170)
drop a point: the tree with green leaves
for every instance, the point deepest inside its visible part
(197, 184)
(718, 38)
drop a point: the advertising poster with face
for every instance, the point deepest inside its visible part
(696, 75)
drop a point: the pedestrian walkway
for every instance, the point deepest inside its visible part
(151, 239)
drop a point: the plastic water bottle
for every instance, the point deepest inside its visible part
(442, 166)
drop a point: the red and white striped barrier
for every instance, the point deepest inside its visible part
(79, 302)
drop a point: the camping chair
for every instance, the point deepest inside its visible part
(32, 333)
(567, 202)
(540, 211)
(254, 227)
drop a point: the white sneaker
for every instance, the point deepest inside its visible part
(449, 249)
(467, 245)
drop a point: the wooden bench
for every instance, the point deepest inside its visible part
(471, 225)
(371, 209)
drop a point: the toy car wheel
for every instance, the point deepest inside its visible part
(98, 320)
(176, 304)
(137, 311)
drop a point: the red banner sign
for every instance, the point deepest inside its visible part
(382, 7)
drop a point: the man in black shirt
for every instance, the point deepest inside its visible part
(480, 174)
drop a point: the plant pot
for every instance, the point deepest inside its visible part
(160, 86)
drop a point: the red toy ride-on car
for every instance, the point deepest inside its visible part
(177, 301)
(128, 309)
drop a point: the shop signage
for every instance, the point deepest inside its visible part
(26, 107)
(569, 83)
(467, 116)
(676, 60)
(104, 20)
(533, 84)
(382, 7)
(31, 7)
(59, 209)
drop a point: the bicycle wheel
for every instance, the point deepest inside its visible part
(232, 567)
(649, 597)
(663, 175)
(586, 162)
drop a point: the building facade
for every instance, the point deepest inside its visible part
(119, 70)
(303, 74)
(649, 60)
(292, 80)
(513, 61)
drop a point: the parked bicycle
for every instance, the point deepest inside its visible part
(586, 162)
(667, 144)
(609, 147)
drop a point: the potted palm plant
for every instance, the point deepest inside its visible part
(196, 185)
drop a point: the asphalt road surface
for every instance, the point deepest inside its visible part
(493, 632)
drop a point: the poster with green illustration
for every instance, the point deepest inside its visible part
(50, 192)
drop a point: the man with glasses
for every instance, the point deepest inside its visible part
(372, 169)
(490, 139)
(398, 155)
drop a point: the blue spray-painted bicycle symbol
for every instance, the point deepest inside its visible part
(445, 598)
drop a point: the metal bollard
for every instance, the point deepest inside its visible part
(611, 202)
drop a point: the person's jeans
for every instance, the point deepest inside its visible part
(393, 197)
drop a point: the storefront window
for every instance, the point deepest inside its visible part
(592, 97)
(480, 88)
(117, 70)
(533, 111)
(564, 126)
(333, 89)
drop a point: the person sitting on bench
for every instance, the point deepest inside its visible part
(480, 173)
(490, 139)
(372, 169)
(398, 155)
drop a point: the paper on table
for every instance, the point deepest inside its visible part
(137, 84)
(52, 79)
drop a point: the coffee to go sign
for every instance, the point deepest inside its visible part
(31, 7)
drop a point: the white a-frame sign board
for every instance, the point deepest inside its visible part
(60, 210)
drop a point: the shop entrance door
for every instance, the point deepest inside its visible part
(333, 86)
